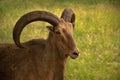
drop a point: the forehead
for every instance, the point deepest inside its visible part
(65, 25)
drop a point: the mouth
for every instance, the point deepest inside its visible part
(74, 55)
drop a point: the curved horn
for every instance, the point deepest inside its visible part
(30, 17)
(68, 15)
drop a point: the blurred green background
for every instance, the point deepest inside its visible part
(97, 33)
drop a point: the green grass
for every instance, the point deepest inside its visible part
(97, 33)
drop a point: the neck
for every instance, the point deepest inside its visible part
(57, 59)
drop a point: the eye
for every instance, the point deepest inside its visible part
(57, 32)
(64, 30)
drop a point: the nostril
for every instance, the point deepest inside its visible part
(76, 54)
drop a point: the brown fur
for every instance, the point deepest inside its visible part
(41, 59)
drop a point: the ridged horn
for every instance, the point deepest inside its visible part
(68, 15)
(31, 17)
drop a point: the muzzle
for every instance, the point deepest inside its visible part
(74, 54)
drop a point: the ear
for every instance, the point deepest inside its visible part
(49, 28)
(69, 16)
(73, 19)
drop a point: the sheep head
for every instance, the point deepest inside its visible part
(62, 35)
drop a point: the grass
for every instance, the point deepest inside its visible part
(97, 33)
